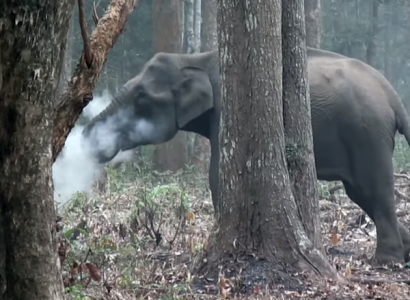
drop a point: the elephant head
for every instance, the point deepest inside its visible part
(150, 108)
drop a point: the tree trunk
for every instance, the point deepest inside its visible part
(189, 25)
(388, 70)
(209, 35)
(30, 67)
(258, 216)
(371, 44)
(313, 16)
(209, 41)
(297, 120)
(197, 26)
(167, 18)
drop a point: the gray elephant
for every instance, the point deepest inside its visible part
(355, 115)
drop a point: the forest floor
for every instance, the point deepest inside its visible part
(138, 240)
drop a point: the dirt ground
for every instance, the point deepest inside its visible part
(134, 243)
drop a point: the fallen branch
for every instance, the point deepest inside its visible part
(80, 88)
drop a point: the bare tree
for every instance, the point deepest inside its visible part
(313, 16)
(258, 213)
(168, 38)
(30, 67)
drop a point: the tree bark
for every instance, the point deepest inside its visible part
(167, 16)
(297, 120)
(258, 215)
(67, 63)
(313, 16)
(82, 83)
(30, 67)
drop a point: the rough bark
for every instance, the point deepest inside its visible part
(371, 44)
(80, 88)
(170, 156)
(313, 16)
(297, 120)
(258, 213)
(30, 67)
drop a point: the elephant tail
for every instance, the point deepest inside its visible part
(403, 126)
(402, 119)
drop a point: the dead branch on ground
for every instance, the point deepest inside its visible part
(80, 88)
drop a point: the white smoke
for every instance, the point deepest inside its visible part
(75, 170)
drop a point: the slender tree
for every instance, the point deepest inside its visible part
(168, 38)
(32, 36)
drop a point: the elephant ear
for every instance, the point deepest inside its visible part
(195, 95)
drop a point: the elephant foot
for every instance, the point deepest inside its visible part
(388, 258)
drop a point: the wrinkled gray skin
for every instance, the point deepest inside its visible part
(355, 115)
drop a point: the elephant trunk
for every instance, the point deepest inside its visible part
(102, 135)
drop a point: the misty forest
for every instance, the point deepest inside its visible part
(204, 149)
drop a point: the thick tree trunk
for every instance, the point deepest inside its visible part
(30, 67)
(313, 16)
(297, 120)
(167, 18)
(82, 83)
(258, 213)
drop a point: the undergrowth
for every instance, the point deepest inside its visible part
(137, 239)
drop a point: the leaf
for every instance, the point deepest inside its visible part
(94, 272)
(190, 216)
(335, 239)
(348, 271)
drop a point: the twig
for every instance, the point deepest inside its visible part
(84, 33)
(96, 18)
(405, 176)
(377, 280)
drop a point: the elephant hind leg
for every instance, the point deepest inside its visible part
(377, 200)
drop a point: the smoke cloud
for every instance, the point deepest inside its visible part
(75, 170)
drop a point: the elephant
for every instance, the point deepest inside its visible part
(355, 115)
